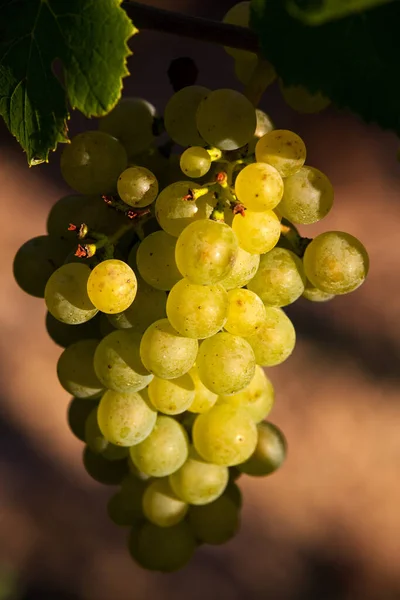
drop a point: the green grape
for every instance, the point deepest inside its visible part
(197, 481)
(301, 100)
(131, 122)
(246, 312)
(64, 335)
(243, 270)
(36, 261)
(257, 398)
(75, 370)
(125, 419)
(225, 435)
(180, 115)
(102, 470)
(226, 363)
(280, 278)
(156, 260)
(172, 396)
(257, 232)
(148, 306)
(195, 162)
(245, 66)
(101, 218)
(239, 14)
(162, 549)
(313, 294)
(113, 452)
(94, 439)
(206, 252)
(282, 149)
(259, 187)
(197, 311)
(137, 186)
(336, 262)
(77, 414)
(233, 491)
(135, 471)
(264, 125)
(226, 119)
(308, 196)
(269, 454)
(132, 491)
(66, 295)
(161, 505)
(164, 450)
(204, 398)
(217, 522)
(118, 513)
(66, 210)
(174, 213)
(92, 162)
(153, 160)
(112, 286)
(274, 339)
(165, 352)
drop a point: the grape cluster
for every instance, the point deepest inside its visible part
(165, 280)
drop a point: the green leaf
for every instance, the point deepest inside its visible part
(315, 12)
(88, 37)
(354, 61)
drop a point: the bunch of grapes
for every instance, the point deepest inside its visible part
(165, 280)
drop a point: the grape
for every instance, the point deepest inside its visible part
(131, 496)
(225, 435)
(68, 210)
(280, 278)
(308, 196)
(165, 352)
(125, 419)
(66, 295)
(100, 217)
(270, 451)
(161, 505)
(156, 260)
(172, 396)
(118, 364)
(245, 66)
(264, 125)
(103, 470)
(93, 436)
(92, 162)
(174, 213)
(239, 14)
(197, 481)
(36, 261)
(336, 262)
(148, 306)
(137, 186)
(282, 149)
(113, 452)
(204, 398)
(197, 311)
(301, 100)
(180, 115)
(233, 491)
(243, 270)
(206, 251)
(112, 286)
(195, 162)
(64, 335)
(217, 522)
(245, 312)
(257, 398)
(274, 339)
(163, 451)
(131, 122)
(119, 513)
(226, 119)
(75, 370)
(313, 294)
(226, 363)
(259, 187)
(78, 412)
(257, 232)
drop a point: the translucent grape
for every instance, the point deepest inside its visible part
(103, 470)
(180, 115)
(302, 101)
(206, 252)
(164, 450)
(112, 286)
(226, 119)
(118, 364)
(75, 370)
(66, 295)
(217, 522)
(161, 505)
(270, 451)
(125, 419)
(274, 339)
(113, 452)
(137, 186)
(172, 396)
(77, 415)
(225, 435)
(204, 398)
(92, 162)
(156, 260)
(64, 335)
(308, 196)
(239, 14)
(282, 149)
(336, 262)
(245, 312)
(195, 162)
(257, 398)
(243, 270)
(148, 306)
(197, 481)
(264, 125)
(280, 278)
(259, 187)
(93, 436)
(165, 352)
(313, 294)
(257, 232)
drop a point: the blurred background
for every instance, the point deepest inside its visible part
(325, 527)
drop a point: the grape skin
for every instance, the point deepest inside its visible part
(94, 439)
(137, 186)
(180, 115)
(155, 260)
(313, 294)
(269, 454)
(257, 232)
(77, 415)
(246, 312)
(217, 522)
(274, 340)
(66, 294)
(239, 14)
(102, 470)
(243, 270)
(259, 187)
(257, 398)
(172, 396)
(195, 162)
(75, 370)
(112, 286)
(148, 306)
(282, 149)
(161, 505)
(301, 100)
(204, 398)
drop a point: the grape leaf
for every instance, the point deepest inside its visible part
(88, 37)
(315, 12)
(354, 61)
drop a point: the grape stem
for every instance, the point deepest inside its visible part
(198, 28)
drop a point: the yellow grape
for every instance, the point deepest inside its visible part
(112, 286)
(172, 396)
(161, 505)
(283, 149)
(257, 232)
(259, 187)
(246, 312)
